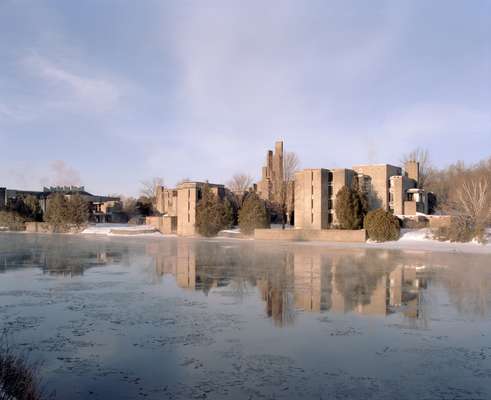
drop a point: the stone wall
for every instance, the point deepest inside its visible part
(324, 235)
(440, 221)
(38, 227)
(164, 224)
(44, 227)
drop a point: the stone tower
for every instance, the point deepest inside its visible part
(272, 174)
(412, 171)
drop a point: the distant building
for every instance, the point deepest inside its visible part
(101, 208)
(177, 207)
(272, 174)
(386, 186)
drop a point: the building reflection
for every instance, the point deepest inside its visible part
(345, 283)
(302, 279)
(55, 260)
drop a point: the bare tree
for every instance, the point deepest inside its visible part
(240, 183)
(149, 187)
(421, 156)
(474, 199)
(291, 164)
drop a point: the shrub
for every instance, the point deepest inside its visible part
(211, 215)
(461, 229)
(77, 211)
(382, 226)
(350, 208)
(12, 221)
(253, 215)
(18, 379)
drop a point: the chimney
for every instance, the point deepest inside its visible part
(412, 170)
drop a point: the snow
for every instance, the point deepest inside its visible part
(234, 231)
(122, 230)
(422, 239)
(411, 239)
(408, 235)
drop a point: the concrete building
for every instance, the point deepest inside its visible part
(177, 207)
(377, 183)
(272, 174)
(312, 194)
(386, 186)
(101, 208)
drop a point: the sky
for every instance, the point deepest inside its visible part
(108, 94)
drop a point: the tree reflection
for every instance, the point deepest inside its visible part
(57, 257)
(299, 278)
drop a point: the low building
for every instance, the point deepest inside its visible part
(101, 208)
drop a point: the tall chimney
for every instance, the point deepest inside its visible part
(412, 170)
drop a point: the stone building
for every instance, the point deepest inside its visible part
(101, 208)
(272, 177)
(386, 186)
(177, 207)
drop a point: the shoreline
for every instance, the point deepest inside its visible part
(403, 244)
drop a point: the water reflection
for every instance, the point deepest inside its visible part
(56, 257)
(299, 278)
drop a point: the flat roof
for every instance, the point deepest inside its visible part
(376, 165)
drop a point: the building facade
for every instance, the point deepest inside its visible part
(101, 208)
(386, 186)
(177, 207)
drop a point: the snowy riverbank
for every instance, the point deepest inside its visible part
(411, 239)
(122, 230)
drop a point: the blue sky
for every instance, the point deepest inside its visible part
(110, 93)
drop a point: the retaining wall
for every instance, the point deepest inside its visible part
(324, 235)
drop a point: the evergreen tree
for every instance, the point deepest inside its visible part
(351, 207)
(35, 213)
(253, 214)
(77, 210)
(57, 212)
(211, 215)
(144, 206)
(229, 214)
(63, 212)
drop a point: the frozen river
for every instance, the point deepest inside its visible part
(125, 318)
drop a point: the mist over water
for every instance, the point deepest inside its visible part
(182, 318)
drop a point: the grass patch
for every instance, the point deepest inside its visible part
(18, 377)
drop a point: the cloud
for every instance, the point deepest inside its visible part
(63, 175)
(93, 93)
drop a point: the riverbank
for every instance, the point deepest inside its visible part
(411, 239)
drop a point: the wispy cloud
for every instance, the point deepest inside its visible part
(203, 89)
(63, 174)
(93, 93)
